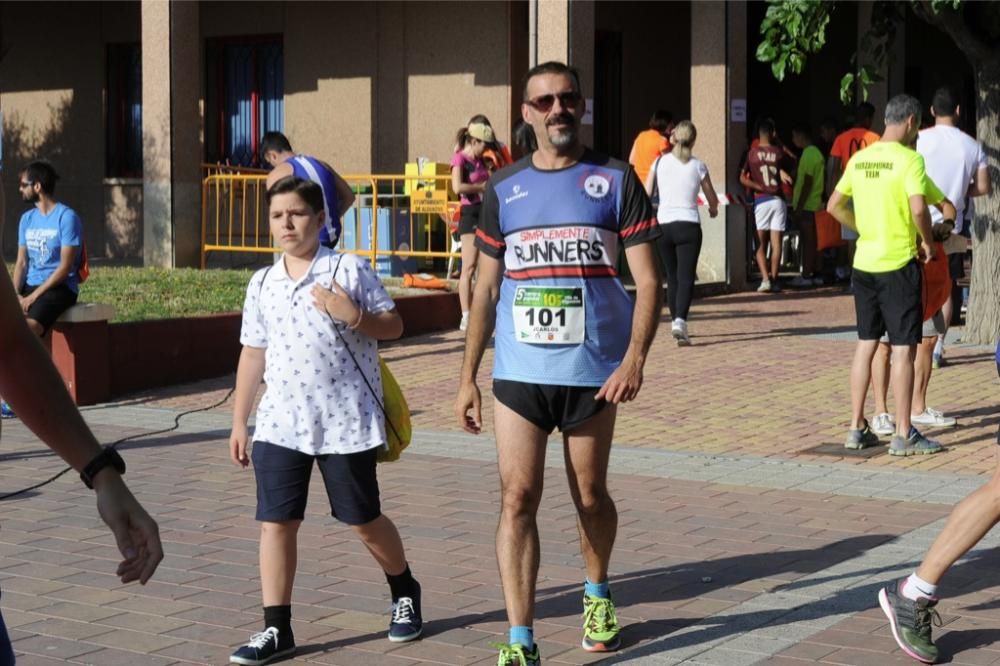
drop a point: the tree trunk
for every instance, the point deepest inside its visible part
(983, 318)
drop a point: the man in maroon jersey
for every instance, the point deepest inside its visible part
(767, 168)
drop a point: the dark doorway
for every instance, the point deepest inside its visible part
(608, 92)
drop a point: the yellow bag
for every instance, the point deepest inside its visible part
(398, 429)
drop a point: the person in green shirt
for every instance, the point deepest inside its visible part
(886, 183)
(807, 198)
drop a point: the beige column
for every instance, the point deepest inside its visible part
(718, 108)
(563, 30)
(171, 133)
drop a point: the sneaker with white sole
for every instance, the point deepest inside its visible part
(407, 622)
(765, 286)
(264, 648)
(883, 424)
(932, 418)
(679, 329)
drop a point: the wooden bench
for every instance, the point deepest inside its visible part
(81, 351)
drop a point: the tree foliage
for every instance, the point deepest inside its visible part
(793, 30)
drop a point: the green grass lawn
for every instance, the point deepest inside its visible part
(158, 293)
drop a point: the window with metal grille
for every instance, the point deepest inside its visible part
(123, 123)
(244, 97)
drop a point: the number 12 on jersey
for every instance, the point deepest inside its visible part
(549, 315)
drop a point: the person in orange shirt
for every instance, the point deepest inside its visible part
(651, 143)
(845, 145)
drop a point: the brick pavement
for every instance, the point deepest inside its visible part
(736, 545)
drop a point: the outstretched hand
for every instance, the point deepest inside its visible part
(136, 534)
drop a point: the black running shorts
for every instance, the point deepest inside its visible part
(890, 303)
(469, 219)
(548, 406)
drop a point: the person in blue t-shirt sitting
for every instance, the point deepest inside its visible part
(49, 238)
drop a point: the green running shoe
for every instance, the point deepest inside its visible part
(600, 626)
(910, 621)
(516, 654)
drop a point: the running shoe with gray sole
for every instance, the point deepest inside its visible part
(861, 438)
(914, 445)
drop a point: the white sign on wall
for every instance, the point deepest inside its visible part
(738, 111)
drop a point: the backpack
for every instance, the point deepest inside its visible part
(83, 270)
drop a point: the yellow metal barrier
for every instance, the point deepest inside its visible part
(399, 222)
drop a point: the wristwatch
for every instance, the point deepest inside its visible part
(107, 456)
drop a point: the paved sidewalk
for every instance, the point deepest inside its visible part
(738, 543)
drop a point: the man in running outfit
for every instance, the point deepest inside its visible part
(886, 183)
(570, 343)
(337, 194)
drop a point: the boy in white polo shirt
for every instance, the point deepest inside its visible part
(303, 320)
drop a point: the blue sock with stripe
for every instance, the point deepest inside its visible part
(523, 636)
(599, 590)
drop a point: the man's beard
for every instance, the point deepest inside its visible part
(30, 198)
(566, 136)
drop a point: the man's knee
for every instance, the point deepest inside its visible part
(280, 529)
(520, 501)
(592, 498)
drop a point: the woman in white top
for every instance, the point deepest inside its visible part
(678, 176)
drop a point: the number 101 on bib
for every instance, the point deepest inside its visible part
(549, 315)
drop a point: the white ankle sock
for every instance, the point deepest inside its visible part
(939, 345)
(916, 587)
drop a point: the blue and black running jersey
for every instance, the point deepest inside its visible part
(558, 233)
(310, 168)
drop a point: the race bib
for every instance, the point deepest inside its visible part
(549, 315)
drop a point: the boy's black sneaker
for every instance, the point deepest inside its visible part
(406, 622)
(263, 648)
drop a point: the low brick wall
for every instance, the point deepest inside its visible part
(100, 361)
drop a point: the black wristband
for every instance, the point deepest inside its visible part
(107, 456)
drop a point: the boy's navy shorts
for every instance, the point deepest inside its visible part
(283, 483)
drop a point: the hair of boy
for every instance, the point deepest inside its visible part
(765, 126)
(309, 191)
(275, 141)
(865, 113)
(901, 107)
(944, 103)
(552, 67)
(660, 120)
(43, 173)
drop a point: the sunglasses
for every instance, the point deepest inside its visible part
(23, 184)
(544, 103)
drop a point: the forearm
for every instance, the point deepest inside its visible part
(837, 207)
(482, 320)
(57, 277)
(645, 319)
(380, 325)
(249, 374)
(923, 224)
(29, 381)
(19, 272)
